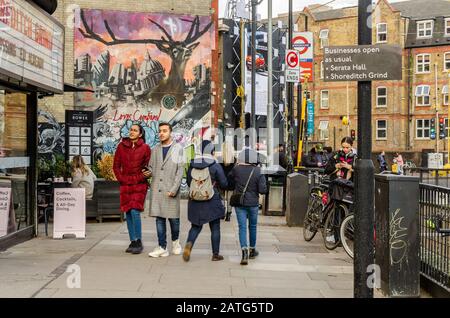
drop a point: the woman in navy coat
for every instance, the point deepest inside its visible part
(211, 211)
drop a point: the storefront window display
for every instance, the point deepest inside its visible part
(14, 160)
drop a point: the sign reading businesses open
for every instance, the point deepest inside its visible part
(31, 45)
(362, 63)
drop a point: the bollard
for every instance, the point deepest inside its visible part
(397, 234)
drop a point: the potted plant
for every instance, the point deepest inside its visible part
(107, 189)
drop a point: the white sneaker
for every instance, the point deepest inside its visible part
(330, 238)
(176, 247)
(159, 252)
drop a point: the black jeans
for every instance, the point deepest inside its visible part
(215, 234)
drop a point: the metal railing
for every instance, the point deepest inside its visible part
(434, 212)
(437, 177)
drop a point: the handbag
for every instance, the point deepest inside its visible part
(237, 198)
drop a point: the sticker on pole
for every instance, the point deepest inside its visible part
(292, 59)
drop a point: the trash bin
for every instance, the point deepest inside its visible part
(397, 234)
(297, 195)
(274, 202)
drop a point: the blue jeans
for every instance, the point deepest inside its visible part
(134, 224)
(161, 229)
(215, 234)
(244, 213)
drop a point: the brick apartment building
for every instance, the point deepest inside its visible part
(402, 110)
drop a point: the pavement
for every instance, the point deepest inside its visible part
(99, 267)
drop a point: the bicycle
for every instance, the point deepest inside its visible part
(325, 212)
(347, 234)
(341, 205)
(435, 223)
(314, 216)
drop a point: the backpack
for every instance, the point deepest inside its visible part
(201, 187)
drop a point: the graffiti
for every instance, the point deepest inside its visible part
(397, 240)
(144, 68)
(51, 135)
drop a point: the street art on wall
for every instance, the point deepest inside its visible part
(145, 68)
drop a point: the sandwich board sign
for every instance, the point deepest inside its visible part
(5, 205)
(69, 216)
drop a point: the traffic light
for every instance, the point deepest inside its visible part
(353, 134)
(441, 128)
(432, 129)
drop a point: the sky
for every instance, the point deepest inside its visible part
(282, 6)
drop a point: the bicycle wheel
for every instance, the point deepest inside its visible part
(347, 234)
(311, 216)
(332, 224)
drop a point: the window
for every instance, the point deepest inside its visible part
(423, 95)
(381, 97)
(445, 95)
(323, 36)
(323, 129)
(381, 129)
(447, 61)
(324, 99)
(447, 27)
(381, 32)
(423, 63)
(321, 69)
(422, 128)
(425, 29)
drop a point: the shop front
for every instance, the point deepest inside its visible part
(31, 66)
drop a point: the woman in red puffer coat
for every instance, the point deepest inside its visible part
(130, 167)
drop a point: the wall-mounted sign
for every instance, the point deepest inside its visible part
(79, 138)
(362, 63)
(5, 205)
(303, 42)
(69, 212)
(31, 45)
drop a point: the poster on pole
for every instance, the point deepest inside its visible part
(261, 67)
(5, 205)
(310, 118)
(69, 212)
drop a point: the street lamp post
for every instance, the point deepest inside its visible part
(364, 169)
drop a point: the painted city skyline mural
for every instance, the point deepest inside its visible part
(142, 67)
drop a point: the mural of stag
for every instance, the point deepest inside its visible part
(178, 51)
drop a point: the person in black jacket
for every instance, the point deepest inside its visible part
(248, 171)
(342, 163)
(211, 211)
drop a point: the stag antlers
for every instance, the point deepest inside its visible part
(164, 44)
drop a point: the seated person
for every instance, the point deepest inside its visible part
(82, 176)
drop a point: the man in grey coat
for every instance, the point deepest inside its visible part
(167, 168)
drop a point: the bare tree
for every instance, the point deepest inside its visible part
(179, 52)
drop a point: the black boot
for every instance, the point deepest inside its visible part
(131, 247)
(253, 253)
(138, 247)
(244, 260)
